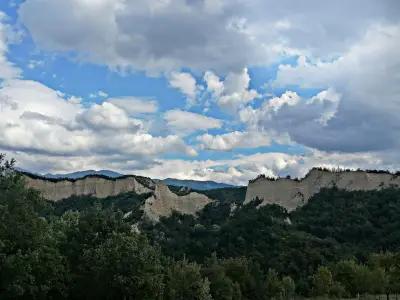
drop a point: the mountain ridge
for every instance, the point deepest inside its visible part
(286, 192)
(189, 183)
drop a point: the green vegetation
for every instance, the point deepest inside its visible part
(341, 244)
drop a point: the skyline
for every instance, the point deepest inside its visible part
(203, 90)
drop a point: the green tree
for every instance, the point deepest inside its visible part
(31, 265)
(273, 285)
(184, 282)
(221, 286)
(247, 274)
(337, 290)
(322, 282)
(344, 273)
(123, 266)
(288, 287)
(386, 268)
(378, 282)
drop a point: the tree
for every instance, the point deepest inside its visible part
(31, 265)
(362, 280)
(344, 273)
(273, 286)
(288, 287)
(386, 268)
(184, 282)
(378, 282)
(337, 290)
(247, 274)
(123, 266)
(322, 282)
(221, 286)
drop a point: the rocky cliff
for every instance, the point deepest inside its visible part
(96, 186)
(161, 201)
(291, 193)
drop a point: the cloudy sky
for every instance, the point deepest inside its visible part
(203, 89)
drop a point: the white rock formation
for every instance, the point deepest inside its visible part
(95, 186)
(291, 193)
(162, 201)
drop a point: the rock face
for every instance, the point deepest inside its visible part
(161, 201)
(99, 187)
(291, 193)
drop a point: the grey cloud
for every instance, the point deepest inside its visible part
(367, 116)
(219, 35)
(31, 115)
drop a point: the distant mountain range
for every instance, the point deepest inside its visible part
(192, 184)
(81, 174)
(196, 184)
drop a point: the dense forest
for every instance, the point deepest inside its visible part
(340, 245)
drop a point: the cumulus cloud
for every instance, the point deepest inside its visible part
(7, 69)
(37, 119)
(40, 125)
(365, 76)
(240, 169)
(129, 36)
(200, 35)
(232, 140)
(134, 105)
(291, 116)
(233, 92)
(188, 122)
(237, 170)
(186, 83)
(350, 59)
(108, 116)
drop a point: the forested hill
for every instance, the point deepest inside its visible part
(340, 244)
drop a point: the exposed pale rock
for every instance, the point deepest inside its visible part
(164, 202)
(95, 186)
(291, 193)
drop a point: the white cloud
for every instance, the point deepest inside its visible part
(33, 64)
(240, 169)
(365, 77)
(237, 170)
(44, 125)
(235, 139)
(214, 84)
(289, 114)
(349, 57)
(186, 83)
(200, 35)
(232, 93)
(108, 116)
(133, 105)
(187, 122)
(37, 119)
(7, 69)
(97, 94)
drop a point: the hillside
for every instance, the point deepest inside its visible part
(160, 201)
(340, 243)
(292, 193)
(286, 192)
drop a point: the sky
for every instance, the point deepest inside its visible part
(219, 90)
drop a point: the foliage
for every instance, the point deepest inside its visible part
(340, 244)
(184, 281)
